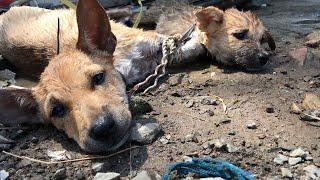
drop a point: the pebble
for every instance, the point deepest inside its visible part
(107, 176)
(217, 143)
(145, 134)
(210, 112)
(189, 104)
(80, 175)
(312, 169)
(252, 125)
(224, 121)
(191, 138)
(209, 101)
(231, 148)
(280, 159)
(294, 161)
(100, 167)
(60, 174)
(147, 175)
(286, 173)
(4, 175)
(298, 153)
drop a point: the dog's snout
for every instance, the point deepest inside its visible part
(102, 129)
(263, 58)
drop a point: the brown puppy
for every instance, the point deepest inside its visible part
(232, 37)
(80, 92)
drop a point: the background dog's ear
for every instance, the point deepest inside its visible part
(95, 36)
(18, 106)
(207, 16)
(269, 39)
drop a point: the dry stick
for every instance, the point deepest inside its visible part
(71, 160)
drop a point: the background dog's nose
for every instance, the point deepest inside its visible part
(263, 58)
(102, 129)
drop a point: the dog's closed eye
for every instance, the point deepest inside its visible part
(97, 79)
(58, 110)
(242, 35)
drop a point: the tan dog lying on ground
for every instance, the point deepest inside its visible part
(79, 92)
(231, 36)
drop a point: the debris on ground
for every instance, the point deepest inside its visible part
(107, 176)
(313, 39)
(4, 175)
(147, 175)
(304, 57)
(58, 155)
(145, 133)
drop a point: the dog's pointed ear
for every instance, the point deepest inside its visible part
(207, 16)
(267, 37)
(95, 36)
(17, 106)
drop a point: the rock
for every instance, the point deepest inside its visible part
(294, 161)
(286, 173)
(304, 57)
(139, 106)
(311, 101)
(145, 134)
(189, 104)
(298, 153)
(224, 121)
(100, 167)
(191, 138)
(58, 155)
(280, 159)
(313, 39)
(176, 80)
(80, 175)
(165, 139)
(217, 143)
(312, 169)
(209, 101)
(252, 125)
(210, 112)
(4, 175)
(60, 174)
(231, 149)
(107, 176)
(147, 175)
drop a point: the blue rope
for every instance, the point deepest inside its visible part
(207, 167)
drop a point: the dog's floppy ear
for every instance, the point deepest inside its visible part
(95, 36)
(269, 39)
(207, 16)
(17, 106)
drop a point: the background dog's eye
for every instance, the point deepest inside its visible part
(241, 35)
(58, 111)
(98, 79)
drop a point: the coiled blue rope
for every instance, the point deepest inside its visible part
(207, 167)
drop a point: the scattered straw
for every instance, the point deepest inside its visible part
(71, 160)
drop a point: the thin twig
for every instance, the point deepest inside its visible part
(71, 160)
(225, 110)
(58, 37)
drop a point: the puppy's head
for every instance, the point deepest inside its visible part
(234, 37)
(79, 92)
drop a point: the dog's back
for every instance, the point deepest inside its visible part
(29, 46)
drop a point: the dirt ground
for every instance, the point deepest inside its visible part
(178, 109)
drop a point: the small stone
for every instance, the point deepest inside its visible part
(4, 175)
(80, 175)
(217, 143)
(298, 153)
(294, 161)
(187, 159)
(210, 112)
(60, 174)
(145, 134)
(231, 148)
(147, 175)
(252, 125)
(189, 104)
(312, 169)
(107, 176)
(209, 101)
(191, 138)
(270, 110)
(280, 159)
(304, 57)
(286, 173)
(225, 121)
(232, 133)
(100, 167)
(313, 39)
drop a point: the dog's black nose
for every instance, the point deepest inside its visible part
(102, 129)
(263, 58)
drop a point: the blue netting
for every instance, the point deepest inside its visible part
(208, 167)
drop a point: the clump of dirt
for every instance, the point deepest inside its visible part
(257, 128)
